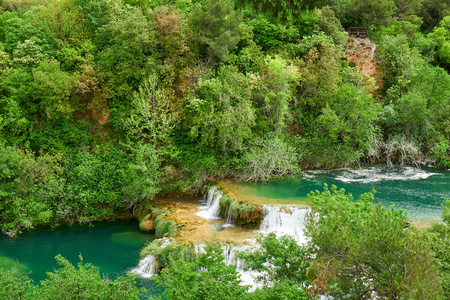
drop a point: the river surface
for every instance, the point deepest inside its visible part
(420, 191)
(113, 247)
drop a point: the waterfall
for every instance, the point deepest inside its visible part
(282, 222)
(146, 267)
(211, 210)
(230, 218)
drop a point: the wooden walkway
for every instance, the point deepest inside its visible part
(358, 32)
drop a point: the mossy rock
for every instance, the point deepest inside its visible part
(245, 213)
(151, 216)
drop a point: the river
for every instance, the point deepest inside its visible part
(113, 247)
(420, 191)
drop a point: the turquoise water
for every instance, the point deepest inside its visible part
(419, 191)
(113, 247)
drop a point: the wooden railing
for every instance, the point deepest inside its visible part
(358, 32)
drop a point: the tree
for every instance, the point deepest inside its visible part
(282, 264)
(284, 10)
(221, 112)
(29, 187)
(439, 241)
(69, 282)
(268, 158)
(205, 278)
(371, 12)
(441, 35)
(128, 44)
(218, 27)
(364, 249)
(272, 92)
(151, 120)
(52, 89)
(175, 41)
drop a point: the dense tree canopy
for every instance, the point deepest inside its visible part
(105, 103)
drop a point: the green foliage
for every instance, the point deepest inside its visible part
(284, 10)
(270, 157)
(281, 261)
(14, 285)
(331, 26)
(183, 280)
(344, 132)
(60, 136)
(363, 248)
(127, 42)
(68, 282)
(143, 176)
(221, 113)
(244, 213)
(171, 253)
(374, 12)
(441, 35)
(319, 71)
(151, 120)
(29, 187)
(218, 27)
(446, 211)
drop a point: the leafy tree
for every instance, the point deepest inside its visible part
(52, 89)
(346, 128)
(68, 282)
(272, 93)
(268, 158)
(128, 42)
(439, 235)
(18, 30)
(441, 35)
(331, 26)
(371, 12)
(364, 249)
(28, 188)
(285, 10)
(205, 278)
(281, 263)
(218, 27)
(175, 41)
(319, 71)
(14, 285)
(221, 112)
(151, 119)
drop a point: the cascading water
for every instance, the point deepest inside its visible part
(230, 218)
(282, 222)
(146, 267)
(211, 210)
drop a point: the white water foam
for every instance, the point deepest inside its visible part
(285, 222)
(210, 211)
(146, 268)
(376, 174)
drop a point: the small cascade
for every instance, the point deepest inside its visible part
(146, 267)
(229, 253)
(211, 210)
(284, 222)
(230, 219)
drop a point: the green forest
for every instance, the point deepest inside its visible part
(107, 103)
